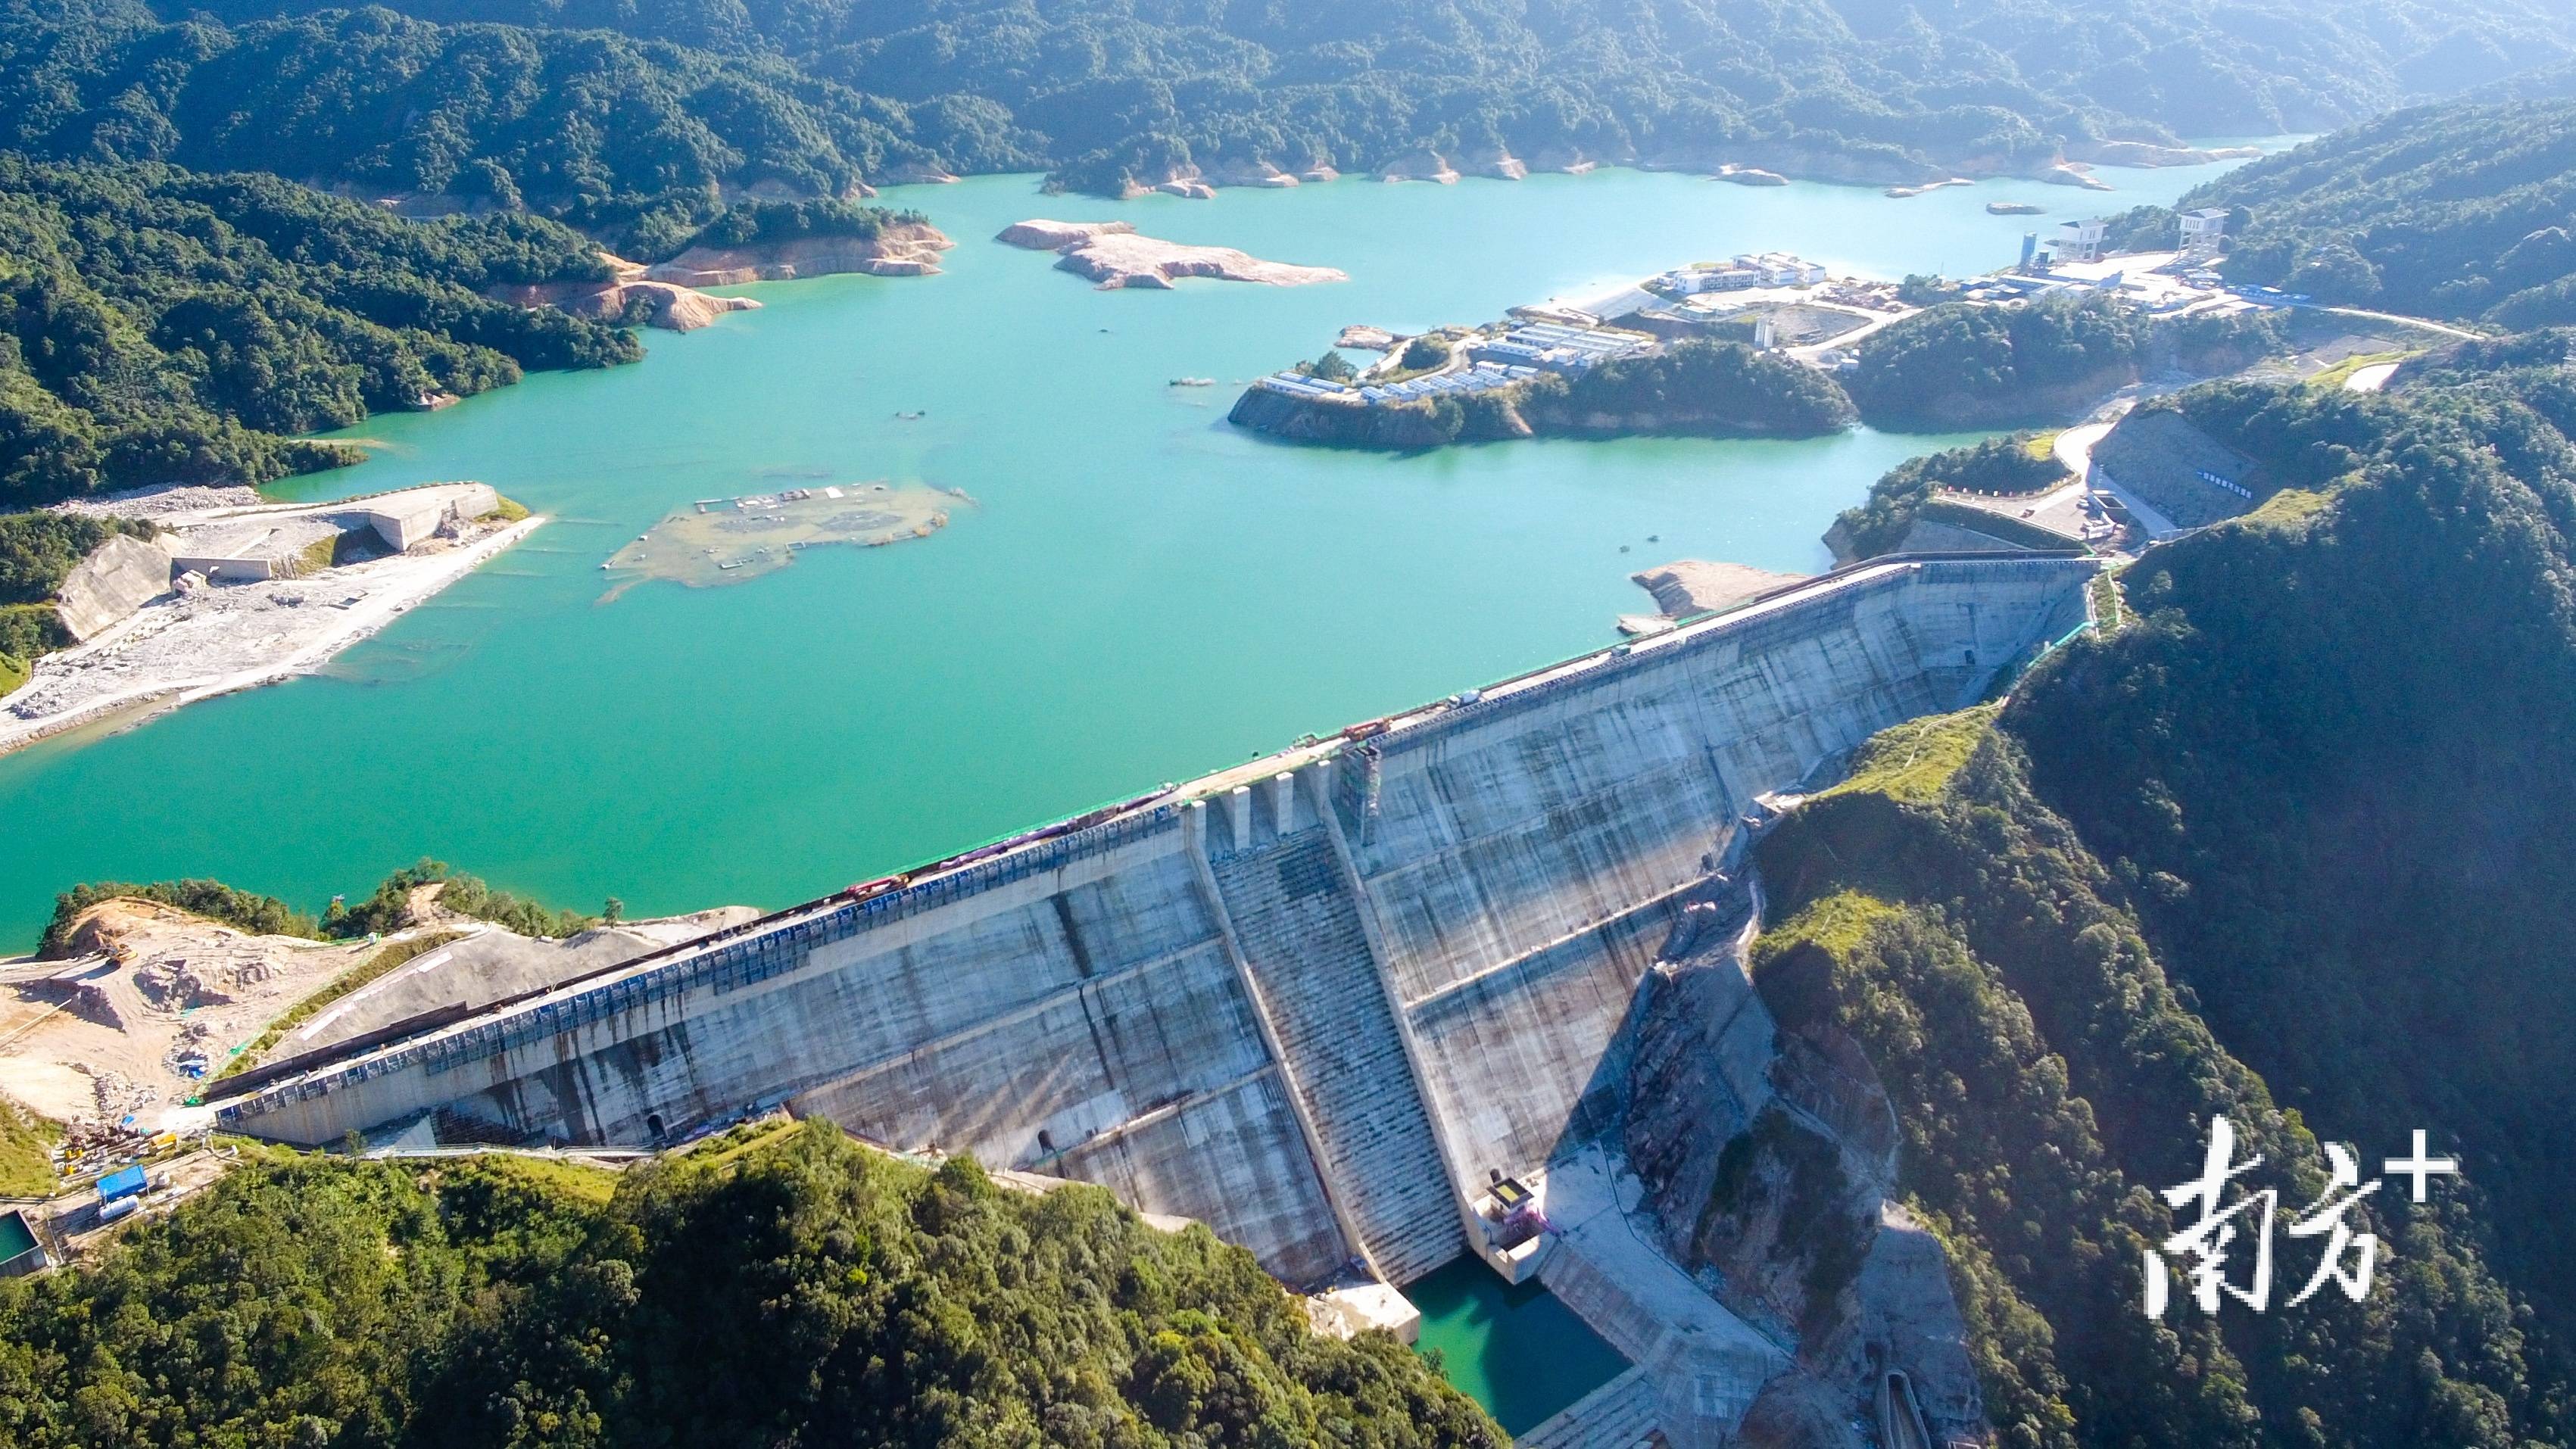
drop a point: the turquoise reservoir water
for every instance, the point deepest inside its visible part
(1145, 592)
(1515, 1350)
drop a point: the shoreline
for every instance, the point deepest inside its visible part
(395, 586)
(1764, 162)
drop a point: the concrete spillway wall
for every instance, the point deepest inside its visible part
(1314, 1002)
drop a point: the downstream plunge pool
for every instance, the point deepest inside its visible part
(1515, 1350)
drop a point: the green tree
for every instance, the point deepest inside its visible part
(158, 325)
(1425, 352)
(2446, 211)
(781, 1287)
(1332, 367)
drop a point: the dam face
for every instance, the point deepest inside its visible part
(1314, 1002)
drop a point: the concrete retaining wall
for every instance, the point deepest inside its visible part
(123, 575)
(409, 518)
(1306, 1001)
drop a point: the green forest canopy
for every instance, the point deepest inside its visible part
(631, 140)
(2005, 465)
(39, 550)
(385, 910)
(2332, 767)
(2050, 1076)
(1102, 90)
(2445, 211)
(1970, 364)
(771, 1289)
(2292, 846)
(161, 326)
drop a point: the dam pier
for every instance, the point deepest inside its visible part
(1321, 1002)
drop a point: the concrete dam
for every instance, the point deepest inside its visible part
(1318, 1002)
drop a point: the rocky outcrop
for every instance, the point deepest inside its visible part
(661, 304)
(1838, 538)
(1249, 173)
(916, 173)
(1797, 1411)
(682, 309)
(2014, 208)
(1750, 175)
(1113, 255)
(1419, 166)
(103, 590)
(2071, 175)
(416, 205)
(907, 249)
(1041, 235)
(1907, 1318)
(1186, 181)
(1570, 160)
(1366, 338)
(1696, 1083)
(1767, 1160)
(1496, 162)
(1113, 259)
(1302, 420)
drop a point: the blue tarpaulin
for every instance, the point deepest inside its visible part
(124, 1182)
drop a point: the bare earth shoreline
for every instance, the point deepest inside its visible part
(189, 647)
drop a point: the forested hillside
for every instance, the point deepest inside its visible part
(1103, 90)
(2336, 766)
(1879, 523)
(162, 326)
(2446, 211)
(790, 1290)
(2048, 1076)
(2291, 845)
(1967, 364)
(635, 142)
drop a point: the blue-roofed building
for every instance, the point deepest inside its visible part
(125, 1182)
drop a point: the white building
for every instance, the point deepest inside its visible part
(2080, 241)
(1780, 269)
(2202, 229)
(1691, 281)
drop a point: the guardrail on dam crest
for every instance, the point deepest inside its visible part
(1307, 1001)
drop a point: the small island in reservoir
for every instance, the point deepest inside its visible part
(727, 540)
(1112, 255)
(1744, 348)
